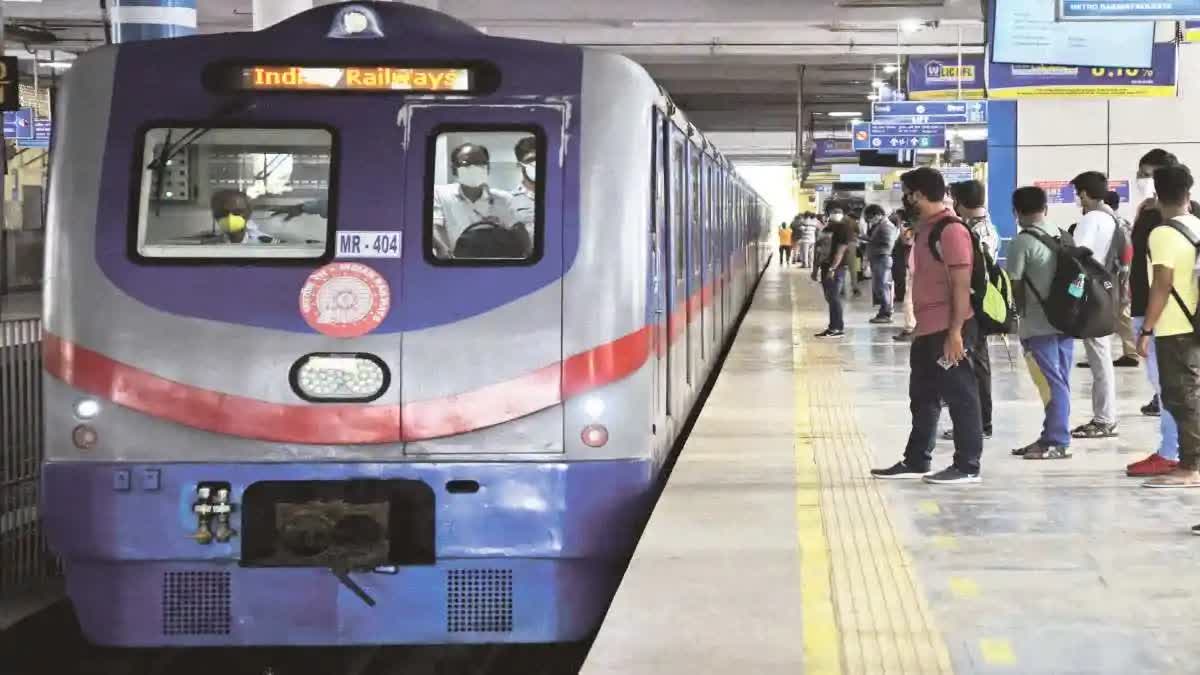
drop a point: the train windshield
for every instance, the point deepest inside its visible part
(210, 193)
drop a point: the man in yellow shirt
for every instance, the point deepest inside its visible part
(785, 244)
(1172, 302)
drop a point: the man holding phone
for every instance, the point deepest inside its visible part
(943, 255)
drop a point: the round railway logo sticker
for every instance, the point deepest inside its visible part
(345, 299)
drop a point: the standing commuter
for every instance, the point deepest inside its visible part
(969, 199)
(881, 240)
(1048, 352)
(1149, 216)
(940, 367)
(1173, 296)
(903, 275)
(785, 244)
(1095, 232)
(808, 238)
(843, 234)
(1129, 357)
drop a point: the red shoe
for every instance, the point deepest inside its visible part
(1154, 465)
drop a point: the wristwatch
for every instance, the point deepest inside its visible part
(1147, 332)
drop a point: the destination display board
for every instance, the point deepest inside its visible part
(353, 78)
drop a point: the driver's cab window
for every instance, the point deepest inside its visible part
(211, 193)
(485, 198)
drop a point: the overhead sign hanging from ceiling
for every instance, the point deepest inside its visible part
(883, 136)
(930, 112)
(1125, 10)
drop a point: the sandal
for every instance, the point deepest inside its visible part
(1047, 452)
(1095, 429)
(1021, 452)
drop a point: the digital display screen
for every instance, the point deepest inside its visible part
(1026, 32)
(365, 78)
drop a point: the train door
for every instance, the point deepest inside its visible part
(677, 375)
(704, 234)
(695, 330)
(659, 282)
(483, 263)
(712, 308)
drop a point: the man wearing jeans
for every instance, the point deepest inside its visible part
(844, 234)
(940, 369)
(881, 239)
(1049, 353)
(1173, 295)
(1095, 232)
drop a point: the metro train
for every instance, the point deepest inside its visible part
(285, 405)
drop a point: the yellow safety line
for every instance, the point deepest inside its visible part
(864, 611)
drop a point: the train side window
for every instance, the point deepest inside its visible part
(485, 196)
(234, 193)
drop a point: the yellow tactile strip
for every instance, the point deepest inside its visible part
(864, 611)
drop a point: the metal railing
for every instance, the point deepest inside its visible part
(25, 562)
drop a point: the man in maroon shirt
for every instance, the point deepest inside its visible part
(943, 254)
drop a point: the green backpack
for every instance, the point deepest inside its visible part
(991, 290)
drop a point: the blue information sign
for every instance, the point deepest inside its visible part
(41, 135)
(1125, 10)
(883, 136)
(18, 124)
(930, 112)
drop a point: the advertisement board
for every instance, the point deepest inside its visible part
(1011, 81)
(936, 78)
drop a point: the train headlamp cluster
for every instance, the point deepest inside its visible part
(340, 377)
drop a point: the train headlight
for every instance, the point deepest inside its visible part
(594, 435)
(340, 377)
(87, 408)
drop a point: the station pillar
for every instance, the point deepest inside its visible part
(134, 20)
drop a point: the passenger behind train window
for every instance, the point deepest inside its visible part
(485, 197)
(206, 191)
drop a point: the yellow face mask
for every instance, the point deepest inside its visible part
(232, 223)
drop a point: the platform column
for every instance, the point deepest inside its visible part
(134, 20)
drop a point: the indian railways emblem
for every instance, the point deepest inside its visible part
(345, 299)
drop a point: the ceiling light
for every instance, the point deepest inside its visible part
(877, 83)
(844, 113)
(890, 68)
(872, 97)
(856, 120)
(59, 65)
(911, 25)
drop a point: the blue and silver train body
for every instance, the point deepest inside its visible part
(286, 403)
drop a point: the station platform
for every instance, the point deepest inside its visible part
(771, 549)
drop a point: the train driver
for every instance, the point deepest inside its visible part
(467, 201)
(231, 213)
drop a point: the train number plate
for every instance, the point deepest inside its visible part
(368, 244)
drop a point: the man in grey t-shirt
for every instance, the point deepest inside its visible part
(1049, 353)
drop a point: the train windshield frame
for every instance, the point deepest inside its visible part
(205, 193)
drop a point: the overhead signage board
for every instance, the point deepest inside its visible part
(1191, 31)
(829, 150)
(930, 112)
(18, 125)
(939, 78)
(956, 174)
(1126, 10)
(1061, 192)
(1010, 81)
(884, 136)
(41, 135)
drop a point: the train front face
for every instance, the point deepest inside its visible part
(305, 369)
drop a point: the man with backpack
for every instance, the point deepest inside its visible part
(1171, 319)
(1049, 353)
(940, 368)
(1097, 231)
(969, 199)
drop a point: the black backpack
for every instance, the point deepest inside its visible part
(1083, 297)
(1192, 315)
(991, 293)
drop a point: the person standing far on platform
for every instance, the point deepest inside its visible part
(1168, 323)
(1049, 354)
(939, 363)
(806, 239)
(881, 240)
(1129, 356)
(1097, 231)
(902, 276)
(843, 235)
(785, 244)
(1148, 217)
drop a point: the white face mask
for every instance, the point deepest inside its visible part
(1146, 187)
(836, 217)
(472, 176)
(530, 169)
